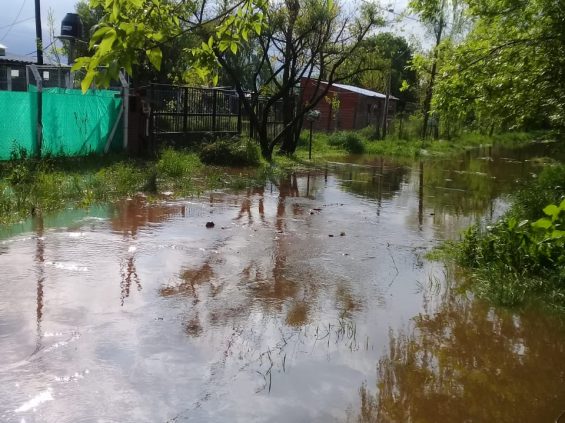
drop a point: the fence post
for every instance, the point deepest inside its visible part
(214, 101)
(125, 86)
(39, 82)
(185, 111)
(238, 115)
(151, 118)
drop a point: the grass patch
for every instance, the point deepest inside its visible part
(332, 145)
(29, 186)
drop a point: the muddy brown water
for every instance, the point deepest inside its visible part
(309, 301)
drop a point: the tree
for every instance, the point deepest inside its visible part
(509, 71)
(445, 20)
(389, 57)
(131, 31)
(387, 51)
(301, 39)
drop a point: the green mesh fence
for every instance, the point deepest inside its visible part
(73, 123)
(17, 123)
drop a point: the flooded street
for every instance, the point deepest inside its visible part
(310, 300)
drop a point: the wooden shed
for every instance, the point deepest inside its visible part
(346, 107)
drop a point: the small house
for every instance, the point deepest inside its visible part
(346, 107)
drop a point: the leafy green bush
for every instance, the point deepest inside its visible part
(231, 152)
(349, 141)
(517, 260)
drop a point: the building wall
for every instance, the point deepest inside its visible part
(356, 111)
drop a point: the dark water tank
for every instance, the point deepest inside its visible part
(71, 26)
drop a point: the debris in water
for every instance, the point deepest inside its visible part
(331, 235)
(210, 224)
(342, 234)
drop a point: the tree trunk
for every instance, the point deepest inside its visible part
(430, 91)
(290, 140)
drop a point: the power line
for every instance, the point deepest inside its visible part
(14, 21)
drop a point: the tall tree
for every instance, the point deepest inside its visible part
(445, 20)
(509, 73)
(301, 39)
(388, 52)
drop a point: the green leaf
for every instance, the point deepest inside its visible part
(552, 210)
(562, 205)
(542, 223)
(85, 84)
(257, 27)
(558, 234)
(233, 47)
(155, 57)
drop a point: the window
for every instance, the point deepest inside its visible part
(46, 75)
(14, 73)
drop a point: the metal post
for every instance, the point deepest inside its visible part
(185, 111)
(125, 89)
(310, 147)
(214, 100)
(9, 78)
(239, 115)
(39, 83)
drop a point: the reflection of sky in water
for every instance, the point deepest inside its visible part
(143, 314)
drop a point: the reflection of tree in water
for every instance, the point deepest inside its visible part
(469, 362)
(262, 271)
(379, 181)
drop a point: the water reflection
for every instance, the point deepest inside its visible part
(292, 298)
(40, 262)
(467, 361)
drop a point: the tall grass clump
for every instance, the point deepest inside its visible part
(174, 163)
(231, 152)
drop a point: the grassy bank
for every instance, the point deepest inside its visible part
(30, 187)
(520, 258)
(332, 145)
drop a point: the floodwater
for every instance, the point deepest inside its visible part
(309, 301)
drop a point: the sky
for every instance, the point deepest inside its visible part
(19, 38)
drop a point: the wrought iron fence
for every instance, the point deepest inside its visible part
(180, 110)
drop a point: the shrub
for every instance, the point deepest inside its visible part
(173, 163)
(231, 152)
(516, 260)
(349, 141)
(354, 144)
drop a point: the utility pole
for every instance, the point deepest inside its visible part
(39, 52)
(38, 34)
(385, 111)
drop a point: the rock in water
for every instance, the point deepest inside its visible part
(210, 224)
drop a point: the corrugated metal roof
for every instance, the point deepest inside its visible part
(25, 60)
(361, 91)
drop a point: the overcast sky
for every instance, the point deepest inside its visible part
(20, 37)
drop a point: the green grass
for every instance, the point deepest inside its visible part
(332, 145)
(29, 187)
